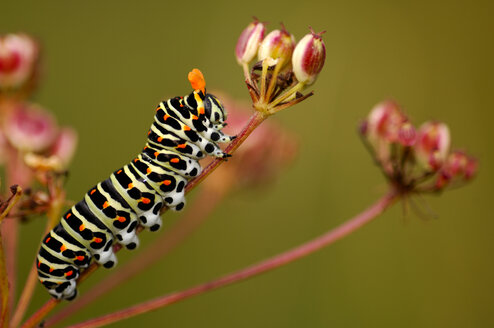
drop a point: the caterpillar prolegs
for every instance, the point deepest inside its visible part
(185, 129)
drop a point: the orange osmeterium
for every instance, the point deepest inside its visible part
(196, 80)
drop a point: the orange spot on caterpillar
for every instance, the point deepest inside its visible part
(68, 215)
(195, 117)
(167, 182)
(160, 139)
(196, 80)
(121, 219)
(181, 145)
(174, 160)
(119, 171)
(201, 110)
(148, 170)
(79, 257)
(47, 239)
(149, 132)
(92, 191)
(156, 153)
(97, 240)
(62, 248)
(39, 264)
(166, 116)
(130, 186)
(69, 273)
(51, 269)
(186, 128)
(145, 147)
(145, 200)
(105, 204)
(82, 227)
(136, 160)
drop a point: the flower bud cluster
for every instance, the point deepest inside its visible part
(414, 159)
(286, 66)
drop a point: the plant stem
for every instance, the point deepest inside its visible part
(272, 263)
(256, 119)
(204, 203)
(4, 287)
(4, 277)
(53, 216)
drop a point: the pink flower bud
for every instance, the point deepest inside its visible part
(459, 164)
(407, 134)
(278, 44)
(30, 128)
(385, 122)
(65, 145)
(249, 42)
(432, 146)
(18, 55)
(308, 58)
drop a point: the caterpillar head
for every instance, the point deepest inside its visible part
(214, 110)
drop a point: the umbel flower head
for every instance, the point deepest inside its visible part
(279, 84)
(414, 160)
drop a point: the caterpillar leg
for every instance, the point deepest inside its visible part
(60, 289)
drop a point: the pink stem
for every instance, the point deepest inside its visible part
(279, 260)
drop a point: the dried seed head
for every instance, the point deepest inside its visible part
(308, 58)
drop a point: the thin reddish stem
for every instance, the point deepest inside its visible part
(272, 263)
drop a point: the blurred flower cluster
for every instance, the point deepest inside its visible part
(414, 160)
(32, 145)
(284, 67)
(34, 154)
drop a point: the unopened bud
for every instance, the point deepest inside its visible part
(65, 145)
(18, 54)
(278, 44)
(30, 128)
(308, 58)
(459, 164)
(407, 134)
(432, 146)
(249, 42)
(385, 122)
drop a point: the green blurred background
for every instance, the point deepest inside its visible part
(107, 64)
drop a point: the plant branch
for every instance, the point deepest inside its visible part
(272, 263)
(53, 215)
(4, 277)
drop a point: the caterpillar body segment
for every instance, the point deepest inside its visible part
(184, 130)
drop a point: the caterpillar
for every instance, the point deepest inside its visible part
(185, 129)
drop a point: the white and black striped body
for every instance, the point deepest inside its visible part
(185, 129)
